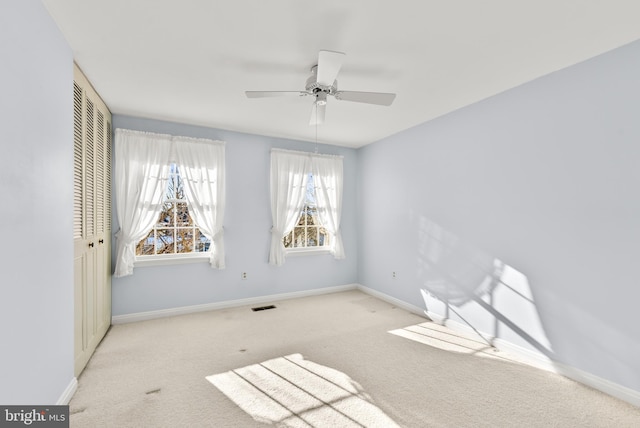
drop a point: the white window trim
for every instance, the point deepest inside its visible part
(307, 251)
(171, 259)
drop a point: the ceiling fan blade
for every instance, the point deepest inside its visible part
(269, 94)
(380, 98)
(317, 114)
(329, 64)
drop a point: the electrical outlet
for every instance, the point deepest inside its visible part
(244, 275)
(393, 274)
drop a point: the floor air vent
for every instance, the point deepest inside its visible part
(263, 308)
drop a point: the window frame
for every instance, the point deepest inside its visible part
(310, 202)
(173, 258)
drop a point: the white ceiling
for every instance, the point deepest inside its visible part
(190, 61)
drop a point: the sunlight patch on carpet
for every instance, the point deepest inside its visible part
(293, 392)
(441, 337)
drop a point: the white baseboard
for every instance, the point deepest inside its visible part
(524, 355)
(397, 302)
(66, 396)
(629, 395)
(436, 318)
(541, 361)
(163, 313)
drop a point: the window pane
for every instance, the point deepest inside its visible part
(184, 240)
(323, 238)
(288, 240)
(175, 188)
(184, 219)
(299, 237)
(311, 191)
(312, 236)
(146, 245)
(166, 215)
(312, 216)
(164, 242)
(308, 216)
(202, 244)
(179, 186)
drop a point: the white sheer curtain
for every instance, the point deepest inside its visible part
(201, 165)
(289, 175)
(327, 178)
(141, 174)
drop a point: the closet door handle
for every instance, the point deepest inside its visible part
(90, 244)
(101, 241)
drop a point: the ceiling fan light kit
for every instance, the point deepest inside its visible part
(322, 83)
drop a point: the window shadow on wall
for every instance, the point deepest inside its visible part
(462, 283)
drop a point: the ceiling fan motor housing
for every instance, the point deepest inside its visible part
(320, 91)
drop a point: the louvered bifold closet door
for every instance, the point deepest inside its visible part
(79, 260)
(92, 219)
(107, 223)
(78, 162)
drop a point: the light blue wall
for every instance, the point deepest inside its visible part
(535, 189)
(36, 287)
(247, 233)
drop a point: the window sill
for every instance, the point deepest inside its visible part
(306, 252)
(176, 259)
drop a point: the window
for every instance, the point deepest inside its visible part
(167, 210)
(306, 204)
(308, 231)
(175, 231)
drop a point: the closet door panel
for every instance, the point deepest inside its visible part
(92, 219)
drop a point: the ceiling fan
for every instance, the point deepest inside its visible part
(322, 83)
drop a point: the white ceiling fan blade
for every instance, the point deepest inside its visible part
(317, 114)
(269, 94)
(329, 64)
(380, 98)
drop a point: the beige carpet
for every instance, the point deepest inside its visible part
(343, 359)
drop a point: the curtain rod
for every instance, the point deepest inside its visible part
(168, 136)
(303, 153)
